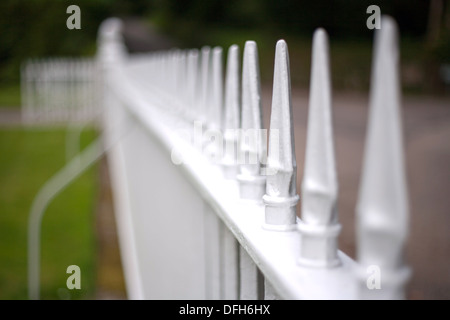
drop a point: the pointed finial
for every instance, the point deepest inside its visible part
(231, 121)
(216, 109)
(192, 82)
(281, 192)
(251, 143)
(205, 79)
(382, 210)
(319, 225)
(213, 137)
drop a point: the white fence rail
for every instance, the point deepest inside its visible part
(206, 212)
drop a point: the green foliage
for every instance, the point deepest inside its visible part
(37, 28)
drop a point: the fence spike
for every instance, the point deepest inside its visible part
(180, 93)
(213, 136)
(231, 121)
(382, 210)
(319, 227)
(192, 82)
(205, 78)
(252, 150)
(216, 107)
(281, 193)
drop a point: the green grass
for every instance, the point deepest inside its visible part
(29, 157)
(9, 95)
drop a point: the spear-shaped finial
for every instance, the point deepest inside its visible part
(205, 86)
(281, 192)
(382, 209)
(215, 109)
(251, 143)
(231, 121)
(192, 82)
(319, 225)
(213, 136)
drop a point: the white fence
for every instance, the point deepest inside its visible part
(204, 210)
(60, 91)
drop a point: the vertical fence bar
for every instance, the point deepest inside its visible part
(229, 265)
(251, 283)
(110, 56)
(213, 253)
(382, 209)
(319, 226)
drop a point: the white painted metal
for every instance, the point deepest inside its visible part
(229, 265)
(216, 107)
(192, 78)
(205, 83)
(252, 149)
(319, 225)
(281, 196)
(269, 291)
(251, 281)
(111, 56)
(231, 119)
(214, 136)
(274, 253)
(213, 254)
(217, 203)
(382, 209)
(187, 229)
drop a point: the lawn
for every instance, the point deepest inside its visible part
(10, 95)
(28, 158)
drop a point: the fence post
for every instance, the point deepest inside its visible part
(319, 227)
(382, 209)
(111, 55)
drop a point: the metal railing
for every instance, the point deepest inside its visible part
(206, 212)
(204, 209)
